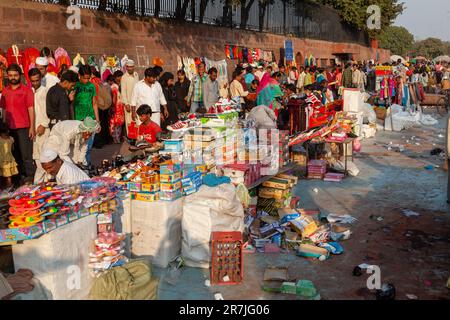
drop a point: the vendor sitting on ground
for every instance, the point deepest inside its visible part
(71, 132)
(148, 130)
(63, 171)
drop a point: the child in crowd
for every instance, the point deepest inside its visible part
(148, 129)
(8, 165)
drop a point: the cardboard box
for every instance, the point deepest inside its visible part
(169, 168)
(149, 187)
(170, 178)
(304, 225)
(292, 179)
(170, 186)
(271, 193)
(104, 218)
(277, 183)
(134, 186)
(175, 145)
(312, 251)
(147, 197)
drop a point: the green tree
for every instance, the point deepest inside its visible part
(430, 48)
(354, 12)
(397, 39)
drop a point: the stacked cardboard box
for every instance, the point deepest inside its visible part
(191, 183)
(170, 181)
(317, 169)
(334, 177)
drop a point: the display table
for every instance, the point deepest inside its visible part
(59, 259)
(155, 230)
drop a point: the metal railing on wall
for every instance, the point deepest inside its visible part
(302, 19)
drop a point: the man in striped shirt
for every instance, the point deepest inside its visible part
(195, 95)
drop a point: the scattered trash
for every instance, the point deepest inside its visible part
(409, 213)
(358, 270)
(377, 218)
(436, 151)
(345, 218)
(316, 190)
(387, 292)
(276, 274)
(411, 296)
(306, 289)
(312, 251)
(440, 135)
(207, 283)
(332, 247)
(218, 296)
(428, 120)
(174, 271)
(396, 147)
(429, 167)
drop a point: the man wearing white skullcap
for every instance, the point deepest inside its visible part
(129, 80)
(48, 79)
(64, 134)
(63, 171)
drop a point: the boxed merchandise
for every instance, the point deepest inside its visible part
(201, 168)
(304, 225)
(170, 178)
(149, 187)
(175, 145)
(134, 186)
(170, 186)
(188, 169)
(271, 193)
(147, 197)
(277, 183)
(169, 168)
(170, 195)
(293, 179)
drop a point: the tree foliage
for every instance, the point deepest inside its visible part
(354, 12)
(397, 39)
(430, 48)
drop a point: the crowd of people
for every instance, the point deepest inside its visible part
(52, 123)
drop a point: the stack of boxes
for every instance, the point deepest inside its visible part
(191, 183)
(170, 181)
(246, 174)
(147, 189)
(278, 188)
(317, 169)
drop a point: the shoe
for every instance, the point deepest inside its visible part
(212, 110)
(178, 126)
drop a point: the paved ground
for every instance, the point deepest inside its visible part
(413, 253)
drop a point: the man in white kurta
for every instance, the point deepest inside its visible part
(149, 92)
(41, 121)
(48, 79)
(129, 80)
(71, 132)
(64, 172)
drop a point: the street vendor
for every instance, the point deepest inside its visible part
(72, 132)
(64, 172)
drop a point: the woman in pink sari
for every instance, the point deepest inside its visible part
(267, 93)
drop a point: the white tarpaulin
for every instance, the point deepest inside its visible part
(353, 100)
(210, 209)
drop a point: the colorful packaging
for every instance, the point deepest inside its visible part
(170, 178)
(149, 187)
(170, 186)
(170, 196)
(147, 197)
(169, 168)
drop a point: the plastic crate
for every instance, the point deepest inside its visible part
(226, 258)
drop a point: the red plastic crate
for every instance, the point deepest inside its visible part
(226, 258)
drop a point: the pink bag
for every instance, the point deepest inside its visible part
(357, 145)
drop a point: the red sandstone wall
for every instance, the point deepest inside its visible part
(31, 24)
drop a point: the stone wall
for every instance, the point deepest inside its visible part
(32, 24)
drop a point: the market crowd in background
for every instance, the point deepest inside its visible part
(59, 108)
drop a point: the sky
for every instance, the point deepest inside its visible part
(426, 18)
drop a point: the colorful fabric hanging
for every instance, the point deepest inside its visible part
(235, 52)
(227, 52)
(15, 55)
(29, 60)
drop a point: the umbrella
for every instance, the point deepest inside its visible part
(395, 58)
(442, 58)
(419, 58)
